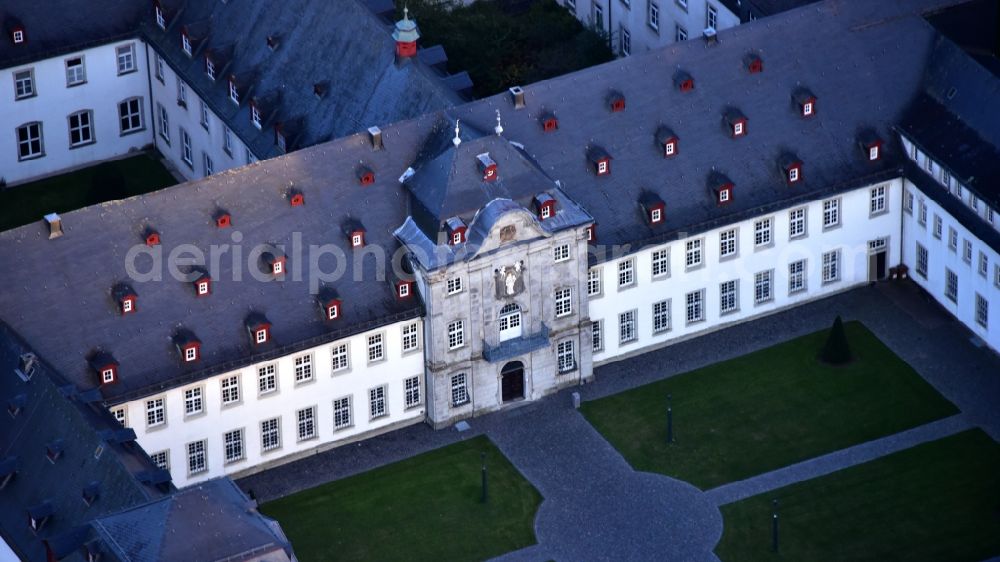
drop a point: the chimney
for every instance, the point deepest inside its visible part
(55, 225)
(406, 35)
(375, 134)
(517, 96)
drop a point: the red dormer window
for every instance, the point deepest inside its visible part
(104, 364)
(724, 194)
(17, 34)
(295, 198)
(874, 151)
(546, 206)
(366, 176)
(872, 147)
(152, 238)
(109, 374)
(277, 265)
(684, 81)
(487, 166)
(670, 147)
(357, 238)
(793, 172)
(755, 65)
(656, 213)
(404, 289)
(333, 309)
(54, 450)
(127, 304)
(591, 233)
(223, 220)
(809, 107)
(806, 102)
(550, 123)
(617, 104)
(190, 351)
(261, 334)
(738, 127)
(186, 43)
(458, 236)
(203, 286)
(603, 166)
(600, 159)
(161, 20)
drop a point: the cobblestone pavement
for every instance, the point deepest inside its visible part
(597, 508)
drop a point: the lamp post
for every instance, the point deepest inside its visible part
(485, 495)
(774, 526)
(670, 420)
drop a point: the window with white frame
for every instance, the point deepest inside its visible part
(692, 253)
(938, 226)
(763, 286)
(125, 55)
(454, 285)
(950, 285)
(255, 115)
(75, 72)
(158, 64)
(231, 390)
(877, 204)
(376, 347)
(996, 275)
(560, 252)
(626, 272)
(762, 231)
(186, 44)
(797, 222)
(728, 296)
(161, 459)
(952, 239)
(306, 423)
(227, 141)
(966, 251)
(625, 43)
(270, 434)
(209, 167)
(456, 334)
(565, 356)
(599, 17)
(921, 261)
(411, 391)
(695, 306)
(233, 444)
(921, 213)
(210, 69)
(908, 202)
(164, 122)
(342, 413)
(410, 336)
(661, 316)
(831, 266)
(181, 93)
(680, 34)
(796, 276)
(727, 243)
(197, 459)
(831, 213)
(661, 262)
(984, 264)
(711, 17)
(156, 412)
(194, 402)
(945, 178)
(340, 358)
(593, 281)
(267, 378)
(121, 414)
(204, 115)
(303, 368)
(29, 141)
(187, 154)
(81, 128)
(234, 94)
(653, 17)
(376, 402)
(627, 332)
(24, 84)
(982, 311)
(459, 389)
(597, 334)
(130, 116)
(564, 302)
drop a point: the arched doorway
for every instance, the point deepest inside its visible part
(509, 322)
(512, 381)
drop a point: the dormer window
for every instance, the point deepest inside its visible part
(234, 93)
(404, 289)
(487, 166)
(754, 64)
(357, 238)
(684, 81)
(186, 43)
(223, 219)
(871, 144)
(737, 123)
(873, 152)
(654, 207)
(90, 492)
(108, 375)
(295, 198)
(366, 176)
(54, 450)
(18, 35)
(190, 353)
(203, 285)
(549, 122)
(617, 102)
(725, 193)
(16, 404)
(276, 264)
(456, 229)
(791, 166)
(279, 139)
(152, 237)
(806, 102)
(591, 233)
(209, 68)
(545, 205)
(38, 515)
(254, 115)
(161, 21)
(656, 215)
(600, 160)
(128, 304)
(668, 141)
(260, 336)
(272, 42)
(722, 188)
(125, 296)
(333, 309)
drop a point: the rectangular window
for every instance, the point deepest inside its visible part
(130, 116)
(692, 253)
(564, 302)
(376, 402)
(966, 251)
(626, 42)
(207, 164)
(908, 202)
(231, 389)
(376, 348)
(921, 261)
(340, 357)
(126, 58)
(233, 442)
(560, 253)
(728, 296)
(951, 285)
(922, 213)
(937, 227)
(193, 401)
(594, 282)
(654, 16)
(565, 356)
(29, 141)
(181, 93)
(952, 239)
(159, 68)
(411, 391)
(762, 232)
(306, 423)
(727, 243)
(695, 306)
(877, 204)
(996, 275)
(661, 316)
(24, 84)
(626, 273)
(204, 116)
(711, 17)
(597, 335)
(161, 460)
(410, 337)
(456, 334)
(187, 155)
(303, 368)
(75, 72)
(454, 285)
(797, 276)
(164, 123)
(81, 128)
(796, 223)
(210, 68)
(763, 286)
(270, 434)
(982, 311)
(267, 378)
(227, 141)
(120, 414)
(984, 264)
(661, 263)
(342, 413)
(831, 266)
(831, 213)
(197, 460)
(459, 390)
(156, 413)
(627, 332)
(680, 34)
(599, 17)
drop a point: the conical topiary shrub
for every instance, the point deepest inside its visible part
(836, 351)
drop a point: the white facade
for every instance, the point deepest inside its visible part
(194, 445)
(74, 100)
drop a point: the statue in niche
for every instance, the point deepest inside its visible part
(509, 280)
(507, 233)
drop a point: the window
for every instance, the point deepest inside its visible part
(952, 239)
(186, 44)
(267, 378)
(984, 264)
(210, 69)
(594, 282)
(231, 390)
(193, 401)
(680, 34)
(763, 285)
(251, 159)
(342, 412)
(921, 261)
(456, 334)
(796, 276)
(75, 72)
(873, 152)
(831, 213)
(121, 414)
(376, 348)
(126, 58)
(454, 285)
(340, 357)
(233, 442)
(159, 68)
(190, 353)
(625, 42)
(626, 272)
(692, 253)
(234, 94)
(197, 460)
(661, 263)
(966, 251)
(908, 203)
(24, 84)
(877, 204)
(459, 390)
(626, 327)
(762, 232)
(727, 243)
(227, 141)
(831, 266)
(653, 17)
(209, 166)
(793, 173)
(164, 123)
(410, 337)
(29, 141)
(982, 311)
(270, 434)
(303, 368)
(599, 16)
(661, 316)
(411, 391)
(376, 402)
(711, 17)
(560, 253)
(254, 115)
(597, 335)
(160, 20)
(996, 275)
(156, 413)
(161, 460)
(564, 302)
(728, 299)
(81, 129)
(306, 419)
(204, 115)
(922, 213)
(564, 355)
(937, 227)
(695, 302)
(796, 223)
(130, 116)
(186, 152)
(951, 285)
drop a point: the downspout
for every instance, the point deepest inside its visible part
(611, 42)
(149, 86)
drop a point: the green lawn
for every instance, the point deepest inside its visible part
(766, 410)
(423, 508)
(117, 179)
(937, 501)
